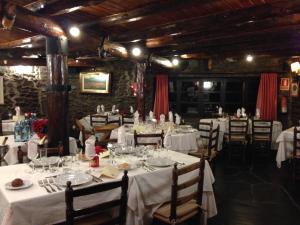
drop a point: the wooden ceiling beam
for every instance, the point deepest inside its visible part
(21, 42)
(236, 18)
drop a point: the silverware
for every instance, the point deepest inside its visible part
(49, 185)
(41, 184)
(51, 181)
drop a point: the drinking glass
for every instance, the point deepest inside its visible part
(43, 158)
(31, 163)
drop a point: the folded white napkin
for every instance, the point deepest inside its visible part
(167, 139)
(18, 110)
(121, 135)
(102, 108)
(151, 115)
(257, 113)
(162, 118)
(113, 108)
(171, 119)
(177, 119)
(98, 110)
(90, 147)
(238, 113)
(131, 109)
(136, 117)
(220, 110)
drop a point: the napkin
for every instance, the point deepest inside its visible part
(98, 110)
(238, 113)
(110, 171)
(102, 108)
(90, 147)
(136, 117)
(257, 113)
(167, 139)
(113, 109)
(243, 112)
(131, 110)
(121, 135)
(18, 110)
(162, 118)
(220, 110)
(177, 119)
(151, 115)
(171, 119)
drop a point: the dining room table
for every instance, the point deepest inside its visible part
(33, 204)
(224, 129)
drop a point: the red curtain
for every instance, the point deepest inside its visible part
(267, 96)
(161, 103)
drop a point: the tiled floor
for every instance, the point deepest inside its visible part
(255, 195)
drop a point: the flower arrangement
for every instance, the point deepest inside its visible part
(40, 127)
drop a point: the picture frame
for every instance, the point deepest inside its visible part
(98, 82)
(295, 89)
(284, 84)
(1, 91)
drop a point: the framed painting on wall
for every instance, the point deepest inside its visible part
(284, 84)
(95, 82)
(1, 91)
(294, 89)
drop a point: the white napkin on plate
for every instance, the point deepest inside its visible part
(113, 108)
(220, 110)
(171, 119)
(257, 113)
(136, 117)
(98, 110)
(162, 118)
(167, 139)
(238, 113)
(151, 115)
(177, 119)
(131, 110)
(121, 135)
(102, 108)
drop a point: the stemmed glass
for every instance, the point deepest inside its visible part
(31, 163)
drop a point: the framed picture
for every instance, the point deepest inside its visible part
(95, 82)
(284, 84)
(294, 89)
(1, 91)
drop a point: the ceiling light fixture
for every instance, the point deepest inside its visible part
(74, 31)
(249, 58)
(175, 62)
(136, 51)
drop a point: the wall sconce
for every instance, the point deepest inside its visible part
(295, 67)
(134, 88)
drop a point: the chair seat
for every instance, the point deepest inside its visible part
(96, 219)
(184, 212)
(238, 138)
(261, 138)
(204, 151)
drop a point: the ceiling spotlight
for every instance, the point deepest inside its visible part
(136, 51)
(42, 6)
(74, 31)
(249, 58)
(175, 62)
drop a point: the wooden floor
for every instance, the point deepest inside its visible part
(255, 195)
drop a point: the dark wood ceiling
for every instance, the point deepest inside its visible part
(170, 27)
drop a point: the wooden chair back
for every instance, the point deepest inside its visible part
(296, 144)
(98, 119)
(73, 214)
(154, 139)
(213, 140)
(127, 119)
(115, 121)
(177, 188)
(205, 129)
(262, 130)
(238, 129)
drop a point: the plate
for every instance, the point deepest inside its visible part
(159, 162)
(52, 160)
(76, 178)
(27, 184)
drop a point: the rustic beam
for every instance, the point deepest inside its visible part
(22, 62)
(21, 42)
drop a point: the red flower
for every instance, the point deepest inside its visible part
(40, 127)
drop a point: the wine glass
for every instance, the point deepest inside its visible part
(31, 163)
(43, 158)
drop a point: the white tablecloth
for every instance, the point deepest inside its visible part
(8, 126)
(34, 206)
(285, 148)
(11, 157)
(30, 147)
(181, 142)
(224, 129)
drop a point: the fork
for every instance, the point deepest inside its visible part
(49, 185)
(41, 184)
(51, 181)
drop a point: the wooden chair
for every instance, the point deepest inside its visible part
(238, 137)
(127, 120)
(205, 128)
(96, 215)
(85, 134)
(296, 154)
(116, 121)
(158, 138)
(98, 119)
(182, 209)
(261, 138)
(3, 150)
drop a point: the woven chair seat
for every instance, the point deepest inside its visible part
(184, 212)
(97, 219)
